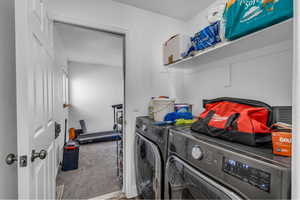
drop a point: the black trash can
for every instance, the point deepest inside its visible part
(71, 156)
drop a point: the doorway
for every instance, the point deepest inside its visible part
(93, 96)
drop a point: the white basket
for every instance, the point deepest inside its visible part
(161, 107)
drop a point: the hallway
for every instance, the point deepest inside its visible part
(96, 175)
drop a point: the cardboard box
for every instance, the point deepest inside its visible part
(282, 141)
(175, 47)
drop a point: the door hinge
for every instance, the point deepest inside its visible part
(57, 130)
(23, 161)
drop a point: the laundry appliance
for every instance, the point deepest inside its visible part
(203, 167)
(150, 157)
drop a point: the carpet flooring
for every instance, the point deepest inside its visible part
(96, 175)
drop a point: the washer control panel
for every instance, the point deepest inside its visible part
(249, 174)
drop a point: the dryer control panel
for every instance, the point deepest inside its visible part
(248, 174)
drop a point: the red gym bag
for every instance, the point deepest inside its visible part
(239, 120)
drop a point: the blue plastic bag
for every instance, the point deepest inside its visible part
(171, 117)
(207, 37)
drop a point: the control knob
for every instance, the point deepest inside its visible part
(144, 128)
(197, 153)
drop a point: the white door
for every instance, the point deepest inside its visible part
(8, 142)
(34, 67)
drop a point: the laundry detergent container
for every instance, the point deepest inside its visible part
(161, 107)
(243, 17)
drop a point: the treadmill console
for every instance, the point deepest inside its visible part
(248, 174)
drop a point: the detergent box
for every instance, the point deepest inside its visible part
(243, 17)
(183, 107)
(175, 48)
(282, 139)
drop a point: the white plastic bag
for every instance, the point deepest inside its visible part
(215, 11)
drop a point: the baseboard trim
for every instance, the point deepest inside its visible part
(132, 193)
(108, 196)
(59, 192)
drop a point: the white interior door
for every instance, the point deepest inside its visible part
(35, 71)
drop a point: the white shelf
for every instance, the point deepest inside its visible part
(268, 36)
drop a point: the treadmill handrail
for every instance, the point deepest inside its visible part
(97, 136)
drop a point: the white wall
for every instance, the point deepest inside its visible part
(8, 134)
(60, 113)
(266, 76)
(263, 74)
(296, 111)
(93, 89)
(146, 33)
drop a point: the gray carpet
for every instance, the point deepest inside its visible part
(96, 175)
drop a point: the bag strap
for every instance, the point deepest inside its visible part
(209, 116)
(231, 120)
(206, 121)
(229, 123)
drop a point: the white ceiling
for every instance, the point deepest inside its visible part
(91, 46)
(179, 9)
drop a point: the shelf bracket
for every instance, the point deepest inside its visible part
(228, 83)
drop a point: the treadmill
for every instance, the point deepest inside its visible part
(85, 137)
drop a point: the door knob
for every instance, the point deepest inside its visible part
(11, 158)
(41, 155)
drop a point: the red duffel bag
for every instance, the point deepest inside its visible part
(239, 120)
